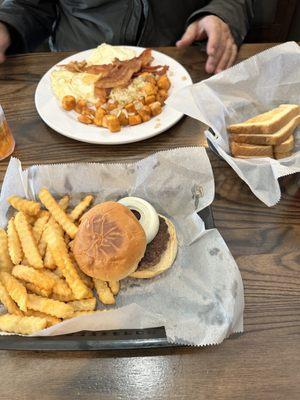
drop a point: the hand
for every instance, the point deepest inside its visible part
(4, 41)
(221, 48)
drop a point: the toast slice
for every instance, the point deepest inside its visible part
(273, 139)
(244, 149)
(278, 156)
(286, 146)
(267, 123)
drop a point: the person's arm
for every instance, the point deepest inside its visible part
(28, 23)
(225, 25)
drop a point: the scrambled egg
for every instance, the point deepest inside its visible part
(81, 84)
(105, 54)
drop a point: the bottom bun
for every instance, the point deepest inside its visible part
(167, 259)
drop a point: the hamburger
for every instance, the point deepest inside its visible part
(115, 241)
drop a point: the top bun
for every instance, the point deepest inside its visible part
(110, 242)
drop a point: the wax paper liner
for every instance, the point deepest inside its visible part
(249, 88)
(200, 299)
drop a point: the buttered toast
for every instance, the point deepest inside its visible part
(267, 123)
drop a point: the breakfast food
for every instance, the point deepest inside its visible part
(112, 88)
(112, 241)
(266, 135)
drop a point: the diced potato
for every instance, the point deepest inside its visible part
(155, 108)
(145, 113)
(88, 111)
(85, 119)
(161, 96)
(123, 118)
(111, 122)
(130, 108)
(150, 89)
(150, 99)
(164, 82)
(134, 119)
(68, 103)
(111, 105)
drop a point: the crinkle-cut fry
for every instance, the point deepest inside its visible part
(30, 219)
(15, 289)
(58, 213)
(49, 306)
(64, 202)
(114, 287)
(8, 302)
(39, 278)
(14, 244)
(49, 318)
(61, 257)
(86, 279)
(63, 297)
(28, 243)
(39, 226)
(36, 290)
(79, 209)
(61, 288)
(22, 325)
(5, 261)
(42, 246)
(84, 305)
(49, 260)
(104, 293)
(27, 206)
(80, 313)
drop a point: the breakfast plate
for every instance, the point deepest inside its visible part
(66, 123)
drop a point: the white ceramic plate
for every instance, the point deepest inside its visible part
(66, 122)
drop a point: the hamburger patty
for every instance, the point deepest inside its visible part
(157, 247)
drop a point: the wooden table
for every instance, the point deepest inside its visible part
(261, 363)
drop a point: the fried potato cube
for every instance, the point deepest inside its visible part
(100, 102)
(112, 104)
(149, 99)
(88, 111)
(5, 260)
(111, 122)
(150, 89)
(114, 287)
(28, 243)
(85, 119)
(61, 257)
(50, 320)
(58, 213)
(14, 244)
(39, 226)
(104, 293)
(31, 275)
(134, 119)
(52, 307)
(123, 118)
(15, 289)
(32, 288)
(27, 206)
(81, 207)
(161, 96)
(8, 302)
(155, 108)
(164, 83)
(130, 108)
(98, 121)
(21, 325)
(145, 113)
(84, 305)
(68, 103)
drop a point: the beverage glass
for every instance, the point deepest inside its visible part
(7, 142)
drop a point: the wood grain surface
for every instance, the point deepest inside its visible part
(261, 363)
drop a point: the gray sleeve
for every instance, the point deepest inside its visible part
(238, 14)
(29, 22)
